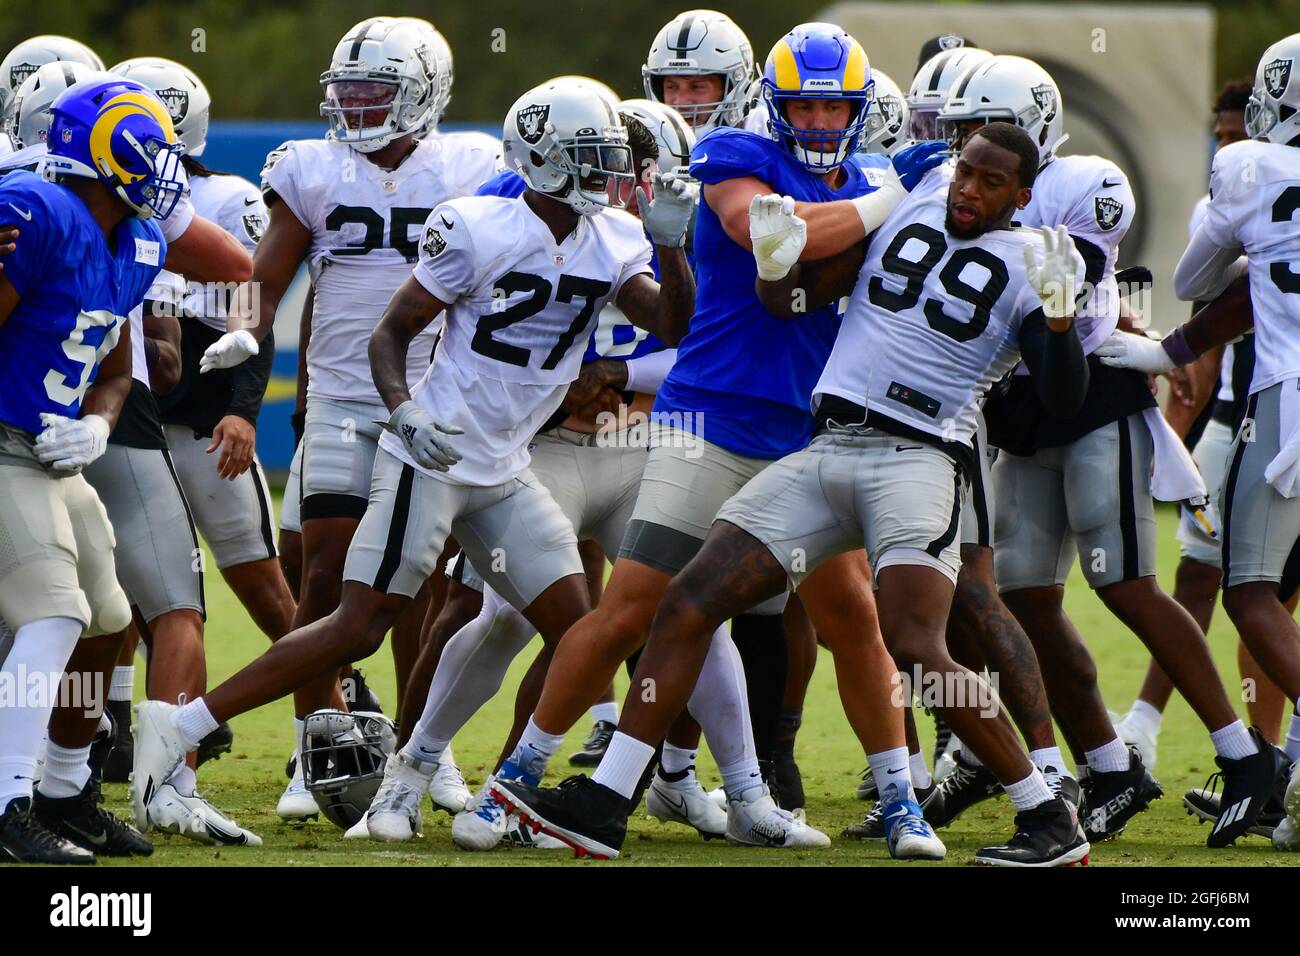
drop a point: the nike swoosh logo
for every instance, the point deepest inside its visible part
(1107, 184)
(906, 448)
(249, 202)
(894, 771)
(702, 158)
(900, 812)
(98, 839)
(26, 215)
(445, 222)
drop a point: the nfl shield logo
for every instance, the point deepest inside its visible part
(531, 122)
(1277, 75)
(177, 103)
(559, 258)
(67, 135)
(1045, 97)
(1108, 212)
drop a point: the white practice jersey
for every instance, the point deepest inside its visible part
(167, 289)
(521, 309)
(1229, 354)
(365, 225)
(236, 205)
(934, 320)
(755, 120)
(6, 144)
(1255, 207)
(1090, 196)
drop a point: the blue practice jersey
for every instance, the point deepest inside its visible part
(745, 375)
(75, 294)
(614, 336)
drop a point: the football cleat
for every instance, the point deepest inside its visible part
(1112, 798)
(1046, 835)
(527, 838)
(362, 698)
(942, 737)
(719, 797)
(1286, 836)
(867, 789)
(394, 814)
(483, 823)
(1247, 784)
(786, 776)
(81, 820)
(582, 814)
(117, 766)
(1136, 734)
(1291, 797)
(967, 784)
(447, 788)
(159, 750)
(101, 746)
(23, 839)
(594, 747)
(685, 802)
(762, 823)
(1064, 786)
(1205, 803)
(215, 744)
(872, 826)
(907, 834)
(359, 830)
(297, 803)
(193, 817)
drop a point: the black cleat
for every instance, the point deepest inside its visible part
(1205, 804)
(593, 748)
(942, 735)
(117, 765)
(362, 698)
(1247, 785)
(24, 840)
(1068, 789)
(872, 826)
(101, 746)
(215, 744)
(579, 812)
(81, 820)
(1046, 835)
(788, 779)
(1112, 798)
(867, 789)
(967, 785)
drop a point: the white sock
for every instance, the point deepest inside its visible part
(1291, 746)
(677, 760)
(606, 710)
(1144, 716)
(889, 769)
(105, 723)
(1080, 771)
(447, 758)
(66, 771)
(1108, 757)
(195, 722)
(122, 686)
(920, 772)
(298, 726)
(720, 704)
(183, 780)
(531, 755)
(40, 650)
(1233, 741)
(1050, 761)
(1030, 792)
(623, 765)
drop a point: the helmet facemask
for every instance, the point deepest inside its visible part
(367, 108)
(343, 758)
(809, 146)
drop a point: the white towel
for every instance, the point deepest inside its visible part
(1283, 472)
(1174, 476)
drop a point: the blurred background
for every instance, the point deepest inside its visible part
(1137, 81)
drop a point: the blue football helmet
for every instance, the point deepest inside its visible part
(817, 61)
(117, 131)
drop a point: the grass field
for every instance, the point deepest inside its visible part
(247, 783)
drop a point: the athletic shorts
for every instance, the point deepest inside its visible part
(977, 513)
(234, 517)
(1090, 497)
(291, 504)
(159, 561)
(339, 441)
(514, 533)
(1211, 455)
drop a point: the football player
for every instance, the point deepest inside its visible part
(702, 65)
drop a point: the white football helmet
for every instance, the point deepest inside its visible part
(1014, 90)
(1273, 112)
(671, 132)
(931, 85)
(183, 93)
(887, 117)
(567, 141)
(380, 84)
(30, 55)
(30, 120)
(444, 73)
(343, 757)
(698, 43)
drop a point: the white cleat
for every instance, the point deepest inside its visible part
(447, 789)
(297, 803)
(1291, 799)
(1286, 836)
(719, 796)
(195, 818)
(359, 830)
(394, 815)
(1141, 737)
(159, 750)
(762, 823)
(518, 834)
(483, 823)
(685, 802)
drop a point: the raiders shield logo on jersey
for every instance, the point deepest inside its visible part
(176, 101)
(531, 121)
(1108, 212)
(1277, 74)
(1045, 97)
(433, 244)
(254, 225)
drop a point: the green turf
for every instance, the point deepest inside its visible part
(248, 782)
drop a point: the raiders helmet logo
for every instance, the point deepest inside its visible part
(19, 72)
(1108, 212)
(891, 111)
(433, 244)
(950, 41)
(531, 122)
(177, 103)
(254, 225)
(1045, 97)
(1277, 75)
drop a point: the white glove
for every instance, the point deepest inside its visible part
(875, 207)
(418, 431)
(1053, 277)
(777, 234)
(668, 215)
(229, 350)
(70, 444)
(1126, 350)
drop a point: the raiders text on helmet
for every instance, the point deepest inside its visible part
(30, 55)
(703, 43)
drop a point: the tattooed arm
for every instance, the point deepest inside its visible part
(409, 312)
(663, 308)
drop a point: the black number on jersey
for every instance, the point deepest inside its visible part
(1283, 209)
(981, 299)
(590, 290)
(402, 218)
